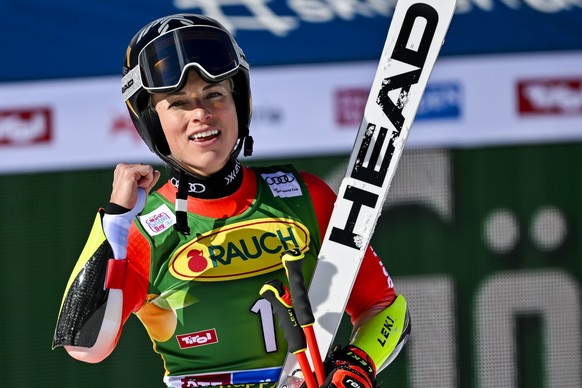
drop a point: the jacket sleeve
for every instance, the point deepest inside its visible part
(102, 292)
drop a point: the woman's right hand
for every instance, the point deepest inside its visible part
(127, 178)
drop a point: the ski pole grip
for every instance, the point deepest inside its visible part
(274, 291)
(293, 263)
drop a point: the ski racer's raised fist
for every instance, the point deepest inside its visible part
(127, 178)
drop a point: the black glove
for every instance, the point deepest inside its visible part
(349, 367)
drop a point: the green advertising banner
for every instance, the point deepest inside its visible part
(482, 242)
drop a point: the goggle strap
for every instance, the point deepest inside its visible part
(131, 83)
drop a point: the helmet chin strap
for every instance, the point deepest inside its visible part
(245, 143)
(181, 224)
(248, 145)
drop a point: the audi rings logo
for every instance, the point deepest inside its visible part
(282, 184)
(279, 179)
(193, 187)
(196, 188)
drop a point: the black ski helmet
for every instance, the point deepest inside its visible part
(157, 60)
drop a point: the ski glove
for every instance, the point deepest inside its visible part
(349, 367)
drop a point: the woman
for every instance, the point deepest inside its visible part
(191, 261)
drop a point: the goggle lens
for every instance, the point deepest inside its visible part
(164, 60)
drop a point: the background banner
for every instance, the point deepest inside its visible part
(305, 110)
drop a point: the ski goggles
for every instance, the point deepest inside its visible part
(163, 62)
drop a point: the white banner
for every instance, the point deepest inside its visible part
(305, 111)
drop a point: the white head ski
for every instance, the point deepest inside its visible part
(415, 36)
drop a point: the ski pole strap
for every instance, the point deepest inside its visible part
(293, 263)
(275, 292)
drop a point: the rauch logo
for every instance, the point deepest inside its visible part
(239, 250)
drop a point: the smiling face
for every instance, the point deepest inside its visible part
(200, 124)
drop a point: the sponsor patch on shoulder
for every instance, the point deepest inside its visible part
(283, 184)
(158, 220)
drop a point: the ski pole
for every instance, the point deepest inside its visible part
(277, 294)
(292, 261)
